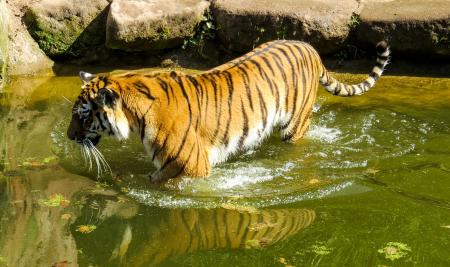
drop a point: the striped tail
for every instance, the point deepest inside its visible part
(337, 88)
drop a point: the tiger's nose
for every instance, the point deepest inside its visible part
(75, 134)
(71, 135)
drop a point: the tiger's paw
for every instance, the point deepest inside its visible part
(152, 179)
(156, 179)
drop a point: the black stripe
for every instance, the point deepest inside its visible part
(230, 86)
(256, 52)
(305, 58)
(289, 61)
(245, 78)
(383, 57)
(245, 128)
(100, 121)
(172, 159)
(206, 98)
(366, 84)
(159, 150)
(165, 88)
(264, 76)
(186, 225)
(217, 104)
(295, 74)
(294, 56)
(197, 90)
(374, 75)
(258, 66)
(273, 87)
(141, 87)
(379, 65)
(279, 64)
(143, 130)
(263, 108)
(264, 58)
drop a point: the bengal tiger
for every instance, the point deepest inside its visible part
(176, 232)
(188, 123)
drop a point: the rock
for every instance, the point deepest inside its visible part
(165, 24)
(24, 57)
(3, 42)
(64, 27)
(245, 24)
(168, 63)
(412, 27)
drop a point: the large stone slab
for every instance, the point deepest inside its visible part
(245, 24)
(164, 24)
(24, 57)
(63, 27)
(3, 42)
(413, 27)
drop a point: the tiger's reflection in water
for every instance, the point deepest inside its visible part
(182, 231)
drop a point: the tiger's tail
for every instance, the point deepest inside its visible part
(337, 88)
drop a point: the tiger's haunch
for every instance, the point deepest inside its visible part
(188, 123)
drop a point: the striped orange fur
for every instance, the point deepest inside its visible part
(188, 123)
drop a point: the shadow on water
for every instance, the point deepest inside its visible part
(36, 233)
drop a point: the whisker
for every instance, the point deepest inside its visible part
(83, 152)
(94, 155)
(102, 164)
(102, 159)
(65, 98)
(88, 153)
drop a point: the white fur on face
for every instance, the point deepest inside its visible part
(118, 121)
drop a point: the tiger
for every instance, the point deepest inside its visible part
(191, 122)
(182, 231)
(179, 232)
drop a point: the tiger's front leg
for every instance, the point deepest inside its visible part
(191, 160)
(166, 172)
(173, 169)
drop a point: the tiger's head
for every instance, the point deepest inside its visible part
(97, 110)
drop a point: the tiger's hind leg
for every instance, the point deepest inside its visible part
(296, 129)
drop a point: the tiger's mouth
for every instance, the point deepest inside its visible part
(93, 140)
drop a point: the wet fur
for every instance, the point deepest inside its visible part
(188, 123)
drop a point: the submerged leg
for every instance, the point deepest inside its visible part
(170, 169)
(295, 131)
(191, 160)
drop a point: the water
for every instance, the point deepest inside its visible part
(371, 170)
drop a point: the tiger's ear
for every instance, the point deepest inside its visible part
(106, 97)
(86, 76)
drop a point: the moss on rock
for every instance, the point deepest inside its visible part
(64, 28)
(3, 42)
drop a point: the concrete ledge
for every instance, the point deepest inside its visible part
(74, 31)
(245, 24)
(412, 27)
(3, 42)
(164, 24)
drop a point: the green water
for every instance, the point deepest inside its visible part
(372, 170)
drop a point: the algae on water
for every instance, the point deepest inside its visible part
(394, 250)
